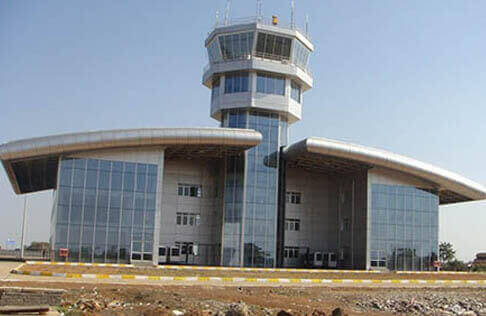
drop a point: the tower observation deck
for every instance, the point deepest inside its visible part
(255, 63)
(257, 72)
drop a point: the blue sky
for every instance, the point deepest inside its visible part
(405, 76)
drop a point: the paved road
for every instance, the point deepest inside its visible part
(6, 267)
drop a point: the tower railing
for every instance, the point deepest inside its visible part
(263, 21)
(261, 56)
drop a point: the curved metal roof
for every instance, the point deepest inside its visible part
(453, 187)
(36, 158)
(65, 143)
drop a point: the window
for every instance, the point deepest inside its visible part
(215, 87)
(345, 225)
(192, 190)
(295, 91)
(236, 82)
(378, 258)
(300, 55)
(236, 46)
(292, 224)
(293, 197)
(186, 247)
(188, 219)
(273, 47)
(291, 252)
(214, 52)
(270, 84)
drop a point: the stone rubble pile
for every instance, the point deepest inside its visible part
(429, 304)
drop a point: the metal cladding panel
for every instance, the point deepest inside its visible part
(445, 180)
(58, 145)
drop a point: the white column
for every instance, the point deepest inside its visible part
(158, 207)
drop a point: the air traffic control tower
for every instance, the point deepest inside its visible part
(258, 72)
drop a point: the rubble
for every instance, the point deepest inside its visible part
(429, 304)
(272, 301)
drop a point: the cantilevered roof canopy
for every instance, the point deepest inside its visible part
(32, 164)
(336, 157)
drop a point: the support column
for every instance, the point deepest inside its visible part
(158, 207)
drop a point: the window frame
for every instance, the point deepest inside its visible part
(292, 224)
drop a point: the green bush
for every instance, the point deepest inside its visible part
(455, 265)
(479, 268)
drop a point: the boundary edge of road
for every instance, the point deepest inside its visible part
(241, 280)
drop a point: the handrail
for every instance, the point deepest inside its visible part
(263, 21)
(260, 56)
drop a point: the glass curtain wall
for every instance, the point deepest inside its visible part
(273, 46)
(301, 55)
(404, 227)
(250, 218)
(105, 210)
(236, 46)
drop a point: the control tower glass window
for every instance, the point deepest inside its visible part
(270, 84)
(214, 53)
(273, 46)
(295, 91)
(236, 82)
(236, 46)
(215, 87)
(300, 55)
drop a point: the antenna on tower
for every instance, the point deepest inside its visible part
(259, 9)
(227, 12)
(307, 24)
(292, 14)
(217, 18)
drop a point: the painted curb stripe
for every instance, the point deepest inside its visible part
(241, 280)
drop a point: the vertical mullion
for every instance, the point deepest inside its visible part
(98, 172)
(120, 212)
(81, 226)
(108, 210)
(69, 209)
(133, 217)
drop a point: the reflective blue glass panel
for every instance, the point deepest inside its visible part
(404, 221)
(95, 207)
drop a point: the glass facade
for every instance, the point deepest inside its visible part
(295, 91)
(236, 82)
(214, 53)
(215, 87)
(236, 46)
(300, 55)
(270, 84)
(105, 210)
(242, 46)
(250, 218)
(404, 227)
(273, 46)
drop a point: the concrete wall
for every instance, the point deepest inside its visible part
(317, 213)
(209, 174)
(327, 203)
(16, 296)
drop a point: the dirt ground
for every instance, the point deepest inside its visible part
(290, 275)
(209, 300)
(93, 298)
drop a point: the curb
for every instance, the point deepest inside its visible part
(437, 272)
(240, 280)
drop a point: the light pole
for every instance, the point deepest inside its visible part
(22, 240)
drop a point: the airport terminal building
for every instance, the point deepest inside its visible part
(241, 194)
